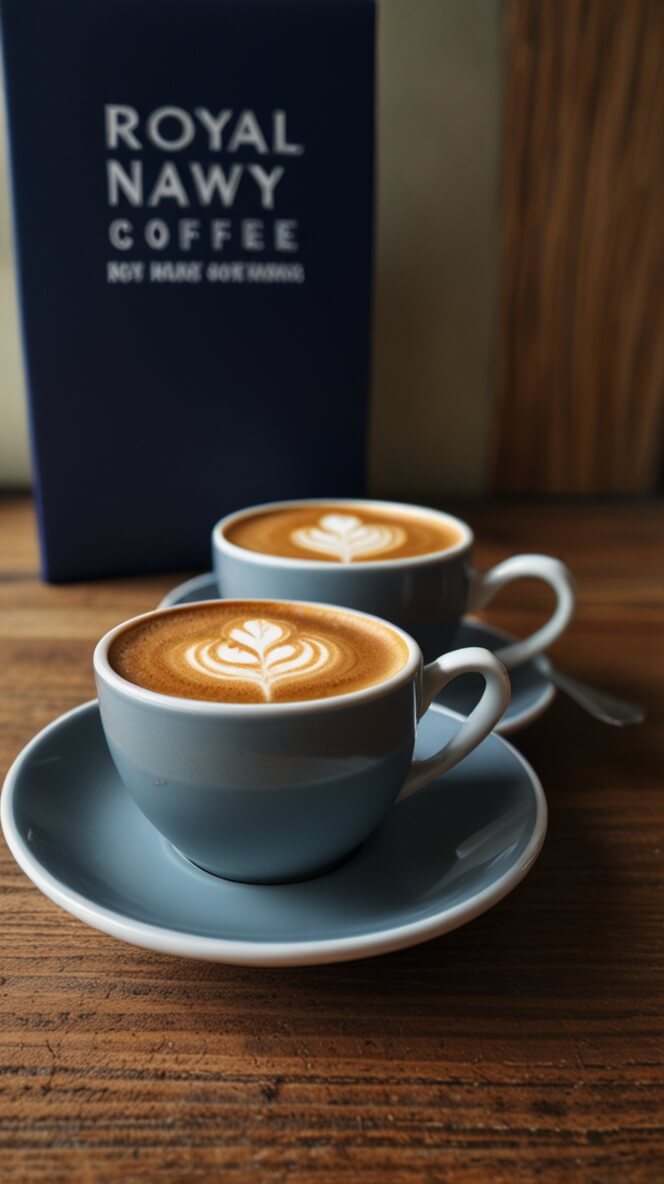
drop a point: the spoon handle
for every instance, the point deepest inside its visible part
(599, 704)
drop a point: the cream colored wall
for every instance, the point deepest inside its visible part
(439, 92)
(14, 452)
(440, 64)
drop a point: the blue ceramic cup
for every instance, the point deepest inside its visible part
(270, 792)
(427, 595)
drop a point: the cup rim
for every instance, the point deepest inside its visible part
(105, 672)
(220, 540)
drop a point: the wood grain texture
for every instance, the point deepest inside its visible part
(580, 362)
(527, 1045)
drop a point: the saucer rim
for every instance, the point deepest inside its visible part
(505, 728)
(250, 953)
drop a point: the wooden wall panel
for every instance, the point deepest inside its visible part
(580, 356)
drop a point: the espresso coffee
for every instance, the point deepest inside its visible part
(342, 533)
(257, 652)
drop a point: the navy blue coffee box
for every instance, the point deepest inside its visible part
(192, 195)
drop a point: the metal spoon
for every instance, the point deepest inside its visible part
(601, 705)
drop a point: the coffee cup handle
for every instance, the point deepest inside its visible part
(485, 585)
(484, 716)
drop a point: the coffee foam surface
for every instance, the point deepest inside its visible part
(342, 533)
(257, 652)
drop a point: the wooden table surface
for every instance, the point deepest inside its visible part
(525, 1045)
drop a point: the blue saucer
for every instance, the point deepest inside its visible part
(532, 692)
(440, 859)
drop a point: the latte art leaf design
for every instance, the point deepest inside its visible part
(265, 653)
(346, 537)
